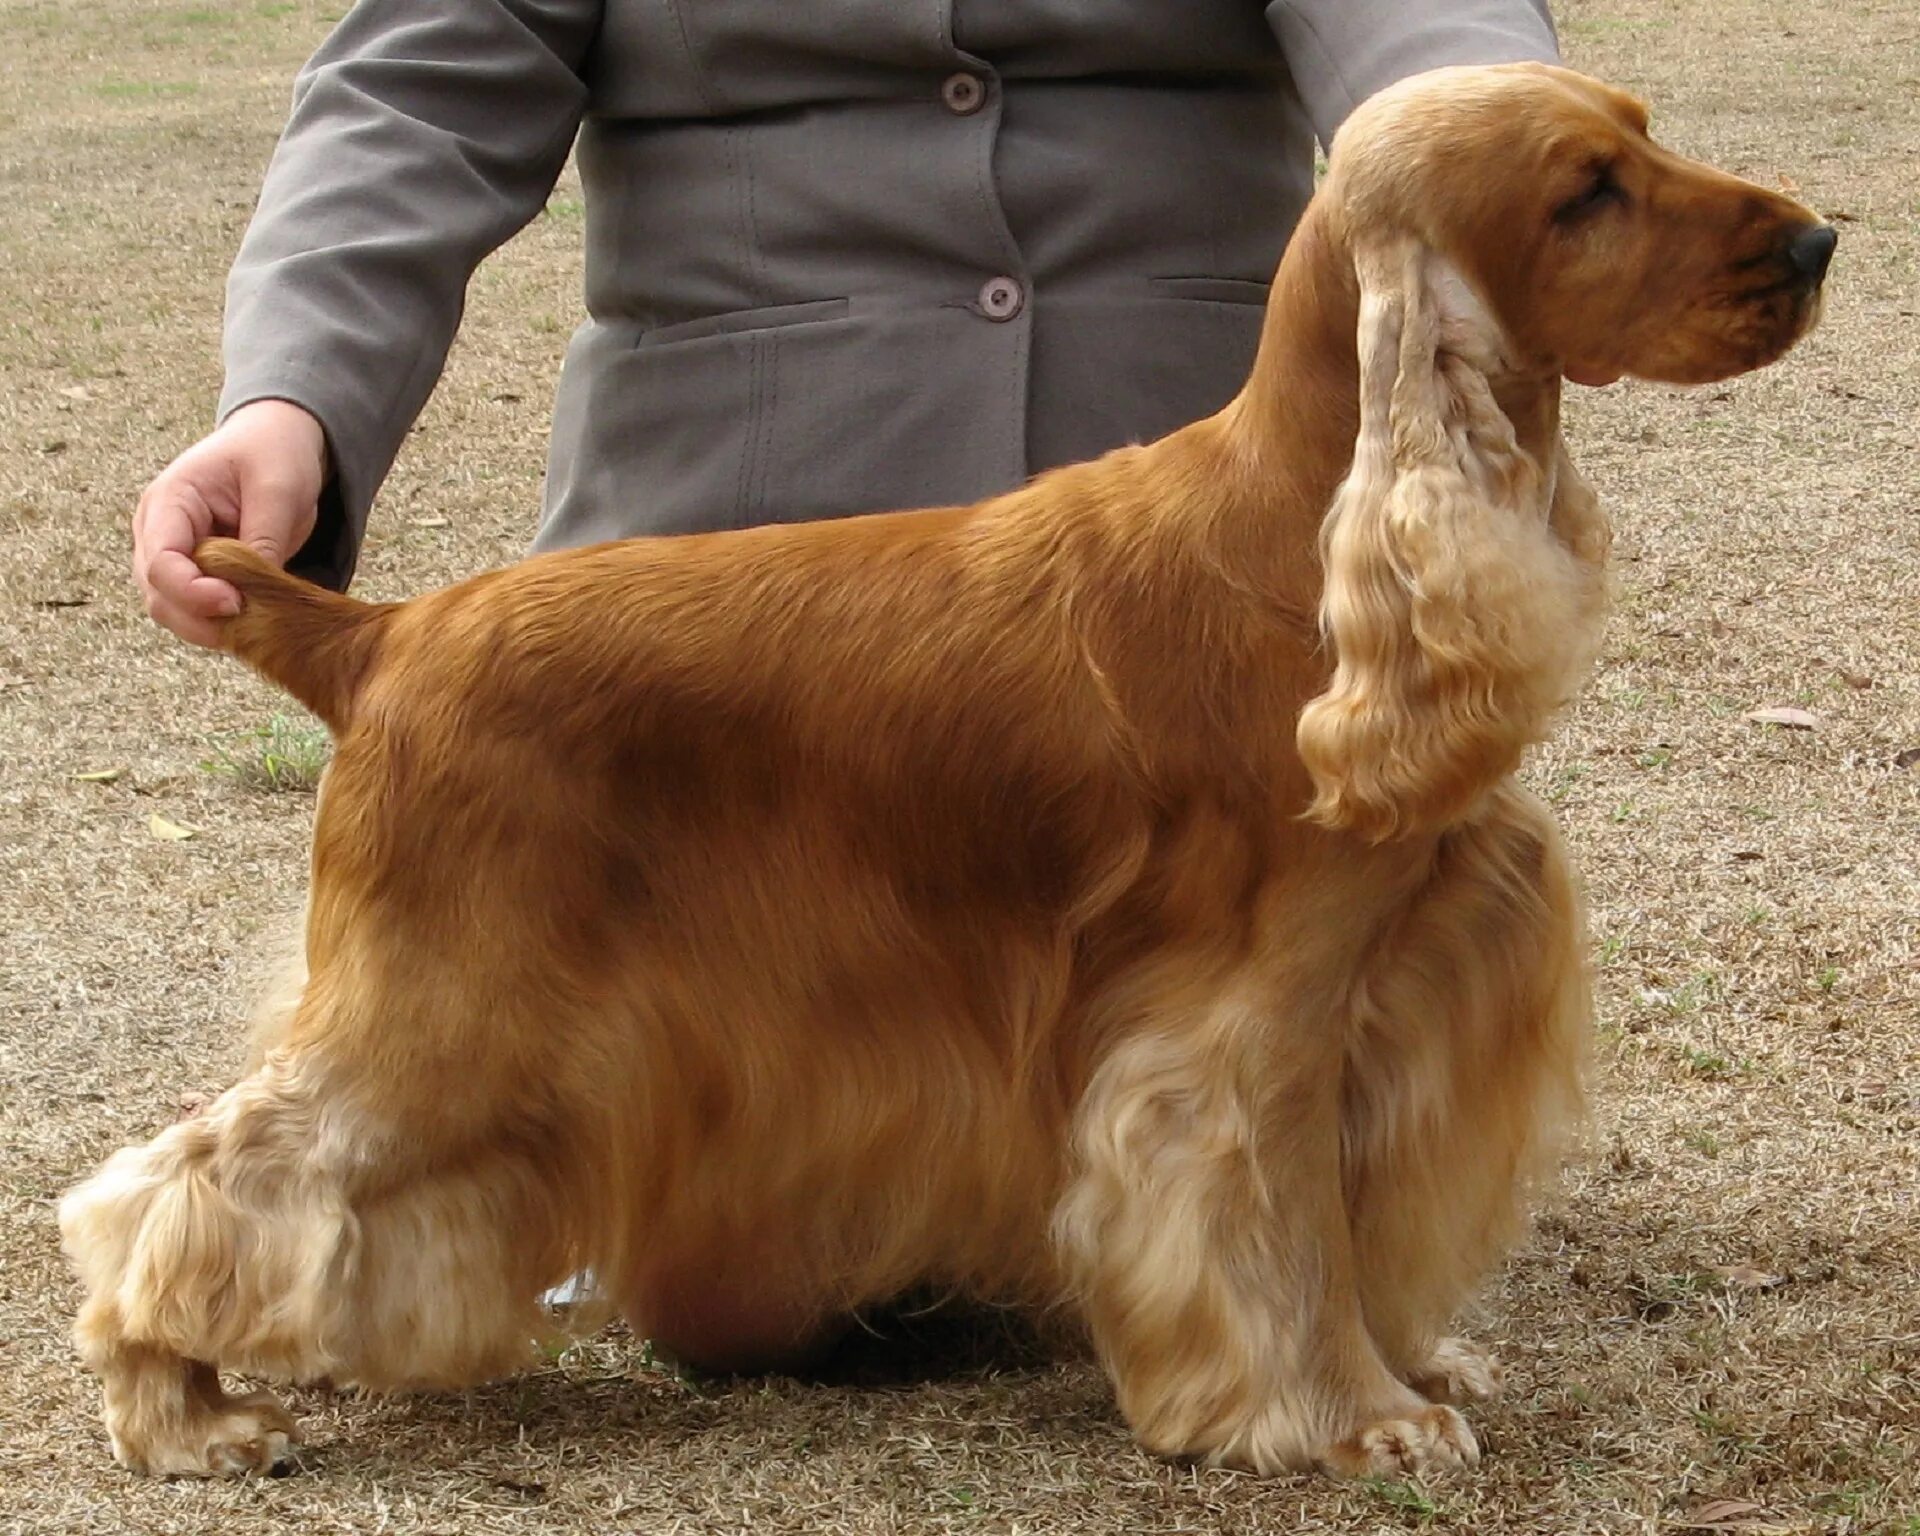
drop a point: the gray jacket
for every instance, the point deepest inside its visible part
(842, 255)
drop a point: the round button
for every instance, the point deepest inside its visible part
(1001, 298)
(963, 93)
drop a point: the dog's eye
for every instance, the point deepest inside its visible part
(1600, 191)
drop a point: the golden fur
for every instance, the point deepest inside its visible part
(1112, 896)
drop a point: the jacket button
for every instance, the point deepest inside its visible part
(1001, 298)
(963, 93)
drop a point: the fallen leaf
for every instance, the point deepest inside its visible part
(1854, 679)
(1747, 855)
(77, 392)
(430, 522)
(1905, 758)
(1727, 1515)
(1788, 184)
(1841, 216)
(65, 602)
(1744, 1277)
(1785, 714)
(101, 776)
(506, 397)
(170, 831)
(55, 445)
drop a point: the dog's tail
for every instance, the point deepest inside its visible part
(316, 644)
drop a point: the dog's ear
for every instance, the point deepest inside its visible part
(1457, 619)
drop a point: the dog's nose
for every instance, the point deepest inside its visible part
(1812, 249)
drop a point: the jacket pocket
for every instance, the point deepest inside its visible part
(737, 322)
(1210, 290)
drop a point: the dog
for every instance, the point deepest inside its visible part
(1113, 898)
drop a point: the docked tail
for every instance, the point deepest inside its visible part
(316, 644)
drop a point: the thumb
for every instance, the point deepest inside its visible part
(276, 516)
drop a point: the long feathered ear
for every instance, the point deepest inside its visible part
(1458, 614)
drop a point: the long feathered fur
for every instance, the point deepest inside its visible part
(1459, 619)
(1012, 899)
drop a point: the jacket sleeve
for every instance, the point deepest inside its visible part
(1342, 51)
(422, 136)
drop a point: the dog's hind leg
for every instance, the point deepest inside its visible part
(290, 1231)
(1206, 1238)
(1462, 1079)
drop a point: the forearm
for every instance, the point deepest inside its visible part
(421, 138)
(1342, 51)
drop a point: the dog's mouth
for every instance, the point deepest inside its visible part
(1770, 301)
(1748, 330)
(1787, 313)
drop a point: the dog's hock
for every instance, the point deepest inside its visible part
(1449, 606)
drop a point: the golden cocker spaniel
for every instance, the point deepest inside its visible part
(1114, 896)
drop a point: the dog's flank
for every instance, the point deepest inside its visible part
(1085, 899)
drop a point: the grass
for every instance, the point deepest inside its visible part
(142, 90)
(1756, 1072)
(1408, 1499)
(287, 753)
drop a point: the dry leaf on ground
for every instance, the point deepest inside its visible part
(1744, 1277)
(1730, 1515)
(1786, 714)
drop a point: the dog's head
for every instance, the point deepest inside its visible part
(1507, 225)
(1545, 209)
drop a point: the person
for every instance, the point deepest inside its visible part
(841, 255)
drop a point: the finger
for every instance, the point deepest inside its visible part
(276, 517)
(143, 535)
(186, 625)
(175, 580)
(175, 524)
(177, 517)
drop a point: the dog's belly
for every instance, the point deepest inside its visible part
(729, 1315)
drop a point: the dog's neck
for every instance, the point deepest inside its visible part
(1287, 439)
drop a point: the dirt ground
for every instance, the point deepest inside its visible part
(1714, 1326)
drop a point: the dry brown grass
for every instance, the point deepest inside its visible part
(1723, 1308)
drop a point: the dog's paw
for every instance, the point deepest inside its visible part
(1431, 1439)
(240, 1435)
(1457, 1371)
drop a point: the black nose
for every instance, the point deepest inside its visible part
(1812, 249)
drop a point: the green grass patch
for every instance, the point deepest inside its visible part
(1704, 1142)
(287, 754)
(145, 90)
(1408, 1498)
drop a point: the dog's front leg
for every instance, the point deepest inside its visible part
(1206, 1236)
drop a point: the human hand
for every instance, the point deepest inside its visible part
(258, 479)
